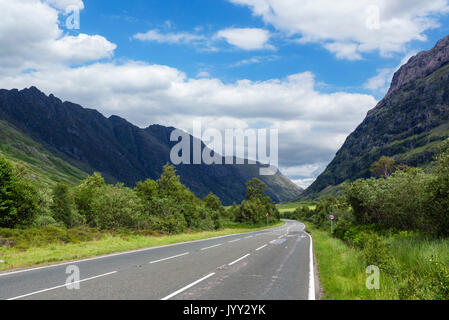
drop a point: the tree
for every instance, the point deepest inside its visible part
(437, 206)
(147, 190)
(213, 202)
(255, 189)
(171, 186)
(18, 197)
(384, 167)
(62, 207)
(169, 182)
(85, 194)
(8, 212)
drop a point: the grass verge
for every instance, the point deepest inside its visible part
(74, 244)
(414, 268)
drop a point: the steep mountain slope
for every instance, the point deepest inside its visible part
(408, 124)
(42, 165)
(121, 151)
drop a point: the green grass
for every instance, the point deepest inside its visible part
(41, 164)
(411, 273)
(291, 206)
(341, 269)
(58, 245)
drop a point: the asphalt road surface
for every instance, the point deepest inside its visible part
(273, 264)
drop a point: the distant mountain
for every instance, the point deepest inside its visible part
(122, 152)
(408, 124)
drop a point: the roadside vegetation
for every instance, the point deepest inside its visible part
(41, 225)
(397, 221)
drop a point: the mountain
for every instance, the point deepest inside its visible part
(408, 124)
(41, 164)
(86, 140)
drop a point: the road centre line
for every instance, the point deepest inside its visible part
(239, 259)
(61, 286)
(211, 247)
(172, 257)
(187, 287)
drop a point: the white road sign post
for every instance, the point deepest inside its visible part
(332, 218)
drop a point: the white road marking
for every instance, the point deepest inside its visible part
(311, 271)
(172, 257)
(248, 237)
(211, 247)
(61, 286)
(234, 240)
(8, 273)
(188, 286)
(239, 259)
(260, 248)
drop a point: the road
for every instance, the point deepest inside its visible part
(273, 264)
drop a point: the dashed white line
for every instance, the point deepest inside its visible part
(187, 287)
(211, 247)
(234, 240)
(239, 259)
(172, 257)
(260, 248)
(61, 286)
(248, 237)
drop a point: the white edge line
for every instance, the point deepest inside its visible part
(61, 286)
(168, 258)
(217, 245)
(260, 248)
(187, 287)
(7, 273)
(311, 271)
(234, 262)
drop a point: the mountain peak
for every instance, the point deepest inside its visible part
(421, 65)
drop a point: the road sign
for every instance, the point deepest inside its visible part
(332, 217)
(267, 215)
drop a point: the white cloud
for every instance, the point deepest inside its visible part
(347, 51)
(63, 4)
(304, 183)
(254, 60)
(30, 38)
(246, 38)
(349, 28)
(380, 83)
(203, 74)
(169, 37)
(312, 125)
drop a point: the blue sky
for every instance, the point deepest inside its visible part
(119, 20)
(309, 68)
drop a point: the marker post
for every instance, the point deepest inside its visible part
(332, 218)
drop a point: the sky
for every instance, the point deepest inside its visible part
(310, 68)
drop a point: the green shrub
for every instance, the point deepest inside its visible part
(117, 207)
(18, 197)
